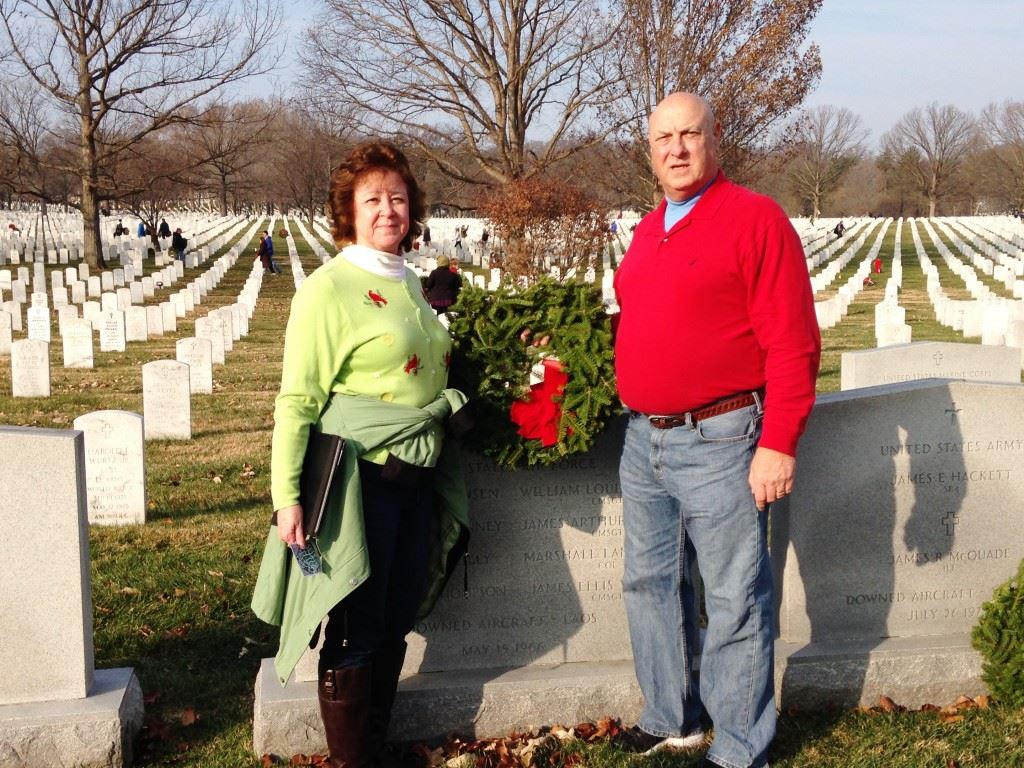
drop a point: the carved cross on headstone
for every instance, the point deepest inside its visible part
(953, 411)
(106, 429)
(950, 521)
(937, 357)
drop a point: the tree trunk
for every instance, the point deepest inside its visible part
(223, 195)
(92, 245)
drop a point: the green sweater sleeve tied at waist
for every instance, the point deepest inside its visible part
(412, 436)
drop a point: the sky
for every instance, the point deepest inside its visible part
(881, 58)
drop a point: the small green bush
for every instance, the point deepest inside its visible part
(999, 637)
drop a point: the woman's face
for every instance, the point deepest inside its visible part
(381, 210)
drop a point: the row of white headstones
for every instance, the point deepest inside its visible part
(114, 440)
(991, 246)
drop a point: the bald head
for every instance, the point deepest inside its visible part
(683, 135)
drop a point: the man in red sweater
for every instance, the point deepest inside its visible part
(717, 354)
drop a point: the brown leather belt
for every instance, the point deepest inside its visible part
(696, 416)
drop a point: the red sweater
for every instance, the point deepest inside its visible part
(720, 305)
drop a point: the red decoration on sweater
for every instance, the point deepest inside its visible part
(538, 415)
(413, 366)
(376, 298)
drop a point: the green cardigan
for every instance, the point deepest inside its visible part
(297, 603)
(356, 333)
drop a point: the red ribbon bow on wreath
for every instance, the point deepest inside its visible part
(538, 415)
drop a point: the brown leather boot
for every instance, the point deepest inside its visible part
(344, 695)
(387, 666)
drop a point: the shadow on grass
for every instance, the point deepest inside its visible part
(199, 689)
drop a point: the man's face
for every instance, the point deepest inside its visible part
(684, 146)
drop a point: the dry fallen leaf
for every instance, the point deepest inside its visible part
(130, 591)
(887, 704)
(216, 573)
(982, 701)
(188, 716)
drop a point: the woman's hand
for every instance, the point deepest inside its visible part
(289, 525)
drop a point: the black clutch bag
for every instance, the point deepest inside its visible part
(321, 467)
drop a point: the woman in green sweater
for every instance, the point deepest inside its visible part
(365, 357)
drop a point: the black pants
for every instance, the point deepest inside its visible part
(382, 610)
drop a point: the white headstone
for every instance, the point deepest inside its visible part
(13, 308)
(42, 491)
(154, 320)
(167, 401)
(39, 324)
(5, 333)
(91, 311)
(211, 328)
(136, 292)
(111, 327)
(109, 302)
(77, 342)
(168, 317)
(198, 355)
(114, 467)
(135, 327)
(30, 368)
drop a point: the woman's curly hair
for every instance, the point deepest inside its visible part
(370, 157)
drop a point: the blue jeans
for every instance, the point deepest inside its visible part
(685, 495)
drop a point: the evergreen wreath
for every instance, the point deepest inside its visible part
(999, 637)
(492, 365)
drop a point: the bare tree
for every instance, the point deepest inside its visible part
(227, 146)
(928, 146)
(476, 77)
(830, 141)
(305, 149)
(120, 70)
(743, 56)
(1003, 128)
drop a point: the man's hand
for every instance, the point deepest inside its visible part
(289, 525)
(771, 476)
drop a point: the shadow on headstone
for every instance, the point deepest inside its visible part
(899, 527)
(542, 636)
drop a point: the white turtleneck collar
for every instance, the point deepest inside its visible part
(389, 265)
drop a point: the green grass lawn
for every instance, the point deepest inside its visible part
(171, 597)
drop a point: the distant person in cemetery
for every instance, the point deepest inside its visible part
(443, 286)
(484, 237)
(120, 229)
(426, 235)
(165, 229)
(716, 356)
(13, 227)
(876, 265)
(268, 243)
(141, 230)
(868, 282)
(364, 357)
(263, 254)
(178, 244)
(839, 229)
